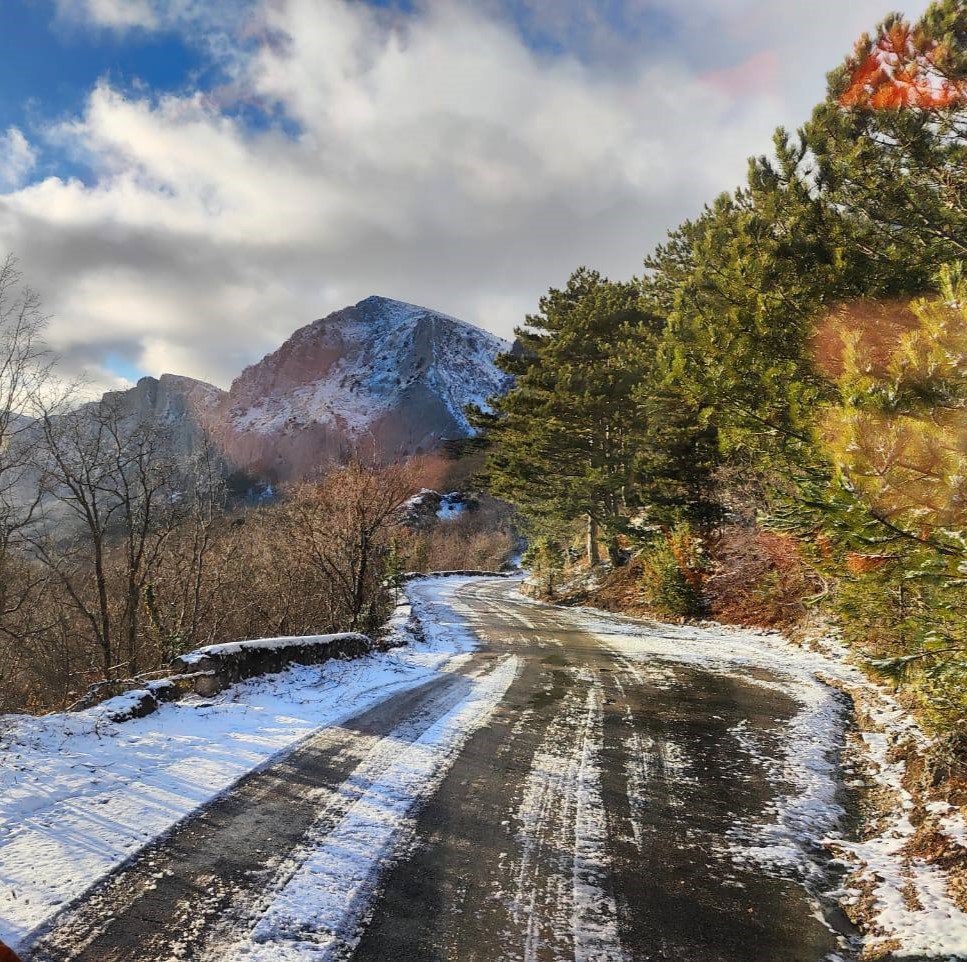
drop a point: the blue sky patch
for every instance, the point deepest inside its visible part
(48, 68)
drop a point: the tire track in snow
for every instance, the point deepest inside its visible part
(541, 902)
(596, 936)
(650, 763)
(563, 903)
(318, 913)
(638, 766)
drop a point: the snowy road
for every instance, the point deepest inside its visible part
(565, 792)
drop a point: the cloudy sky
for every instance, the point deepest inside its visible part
(188, 181)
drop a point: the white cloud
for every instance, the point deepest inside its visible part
(17, 158)
(116, 14)
(203, 22)
(439, 159)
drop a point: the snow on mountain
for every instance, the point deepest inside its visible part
(383, 376)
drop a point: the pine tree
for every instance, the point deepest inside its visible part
(677, 457)
(747, 278)
(889, 147)
(563, 437)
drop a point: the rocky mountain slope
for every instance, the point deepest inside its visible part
(383, 378)
(188, 409)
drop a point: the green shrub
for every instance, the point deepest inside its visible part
(672, 574)
(546, 558)
(910, 625)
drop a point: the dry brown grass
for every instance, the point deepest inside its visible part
(758, 579)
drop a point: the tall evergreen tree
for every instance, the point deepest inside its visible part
(676, 460)
(741, 286)
(563, 436)
(889, 145)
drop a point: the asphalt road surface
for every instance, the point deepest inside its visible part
(590, 819)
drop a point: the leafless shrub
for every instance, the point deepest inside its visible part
(481, 539)
(758, 578)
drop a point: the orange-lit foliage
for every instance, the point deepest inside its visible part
(823, 543)
(880, 325)
(861, 564)
(686, 550)
(901, 68)
(759, 578)
(897, 433)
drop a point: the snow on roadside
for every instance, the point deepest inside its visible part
(80, 794)
(911, 901)
(317, 914)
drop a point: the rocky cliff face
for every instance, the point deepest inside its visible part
(382, 378)
(186, 408)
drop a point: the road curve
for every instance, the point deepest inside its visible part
(589, 820)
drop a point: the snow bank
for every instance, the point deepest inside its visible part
(209, 670)
(81, 793)
(910, 899)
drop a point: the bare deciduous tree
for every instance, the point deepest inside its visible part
(342, 525)
(109, 507)
(183, 593)
(24, 370)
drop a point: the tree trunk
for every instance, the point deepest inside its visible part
(614, 551)
(359, 589)
(104, 608)
(594, 557)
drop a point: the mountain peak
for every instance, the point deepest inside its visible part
(183, 382)
(383, 374)
(377, 300)
(391, 309)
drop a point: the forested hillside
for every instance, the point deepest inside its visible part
(770, 424)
